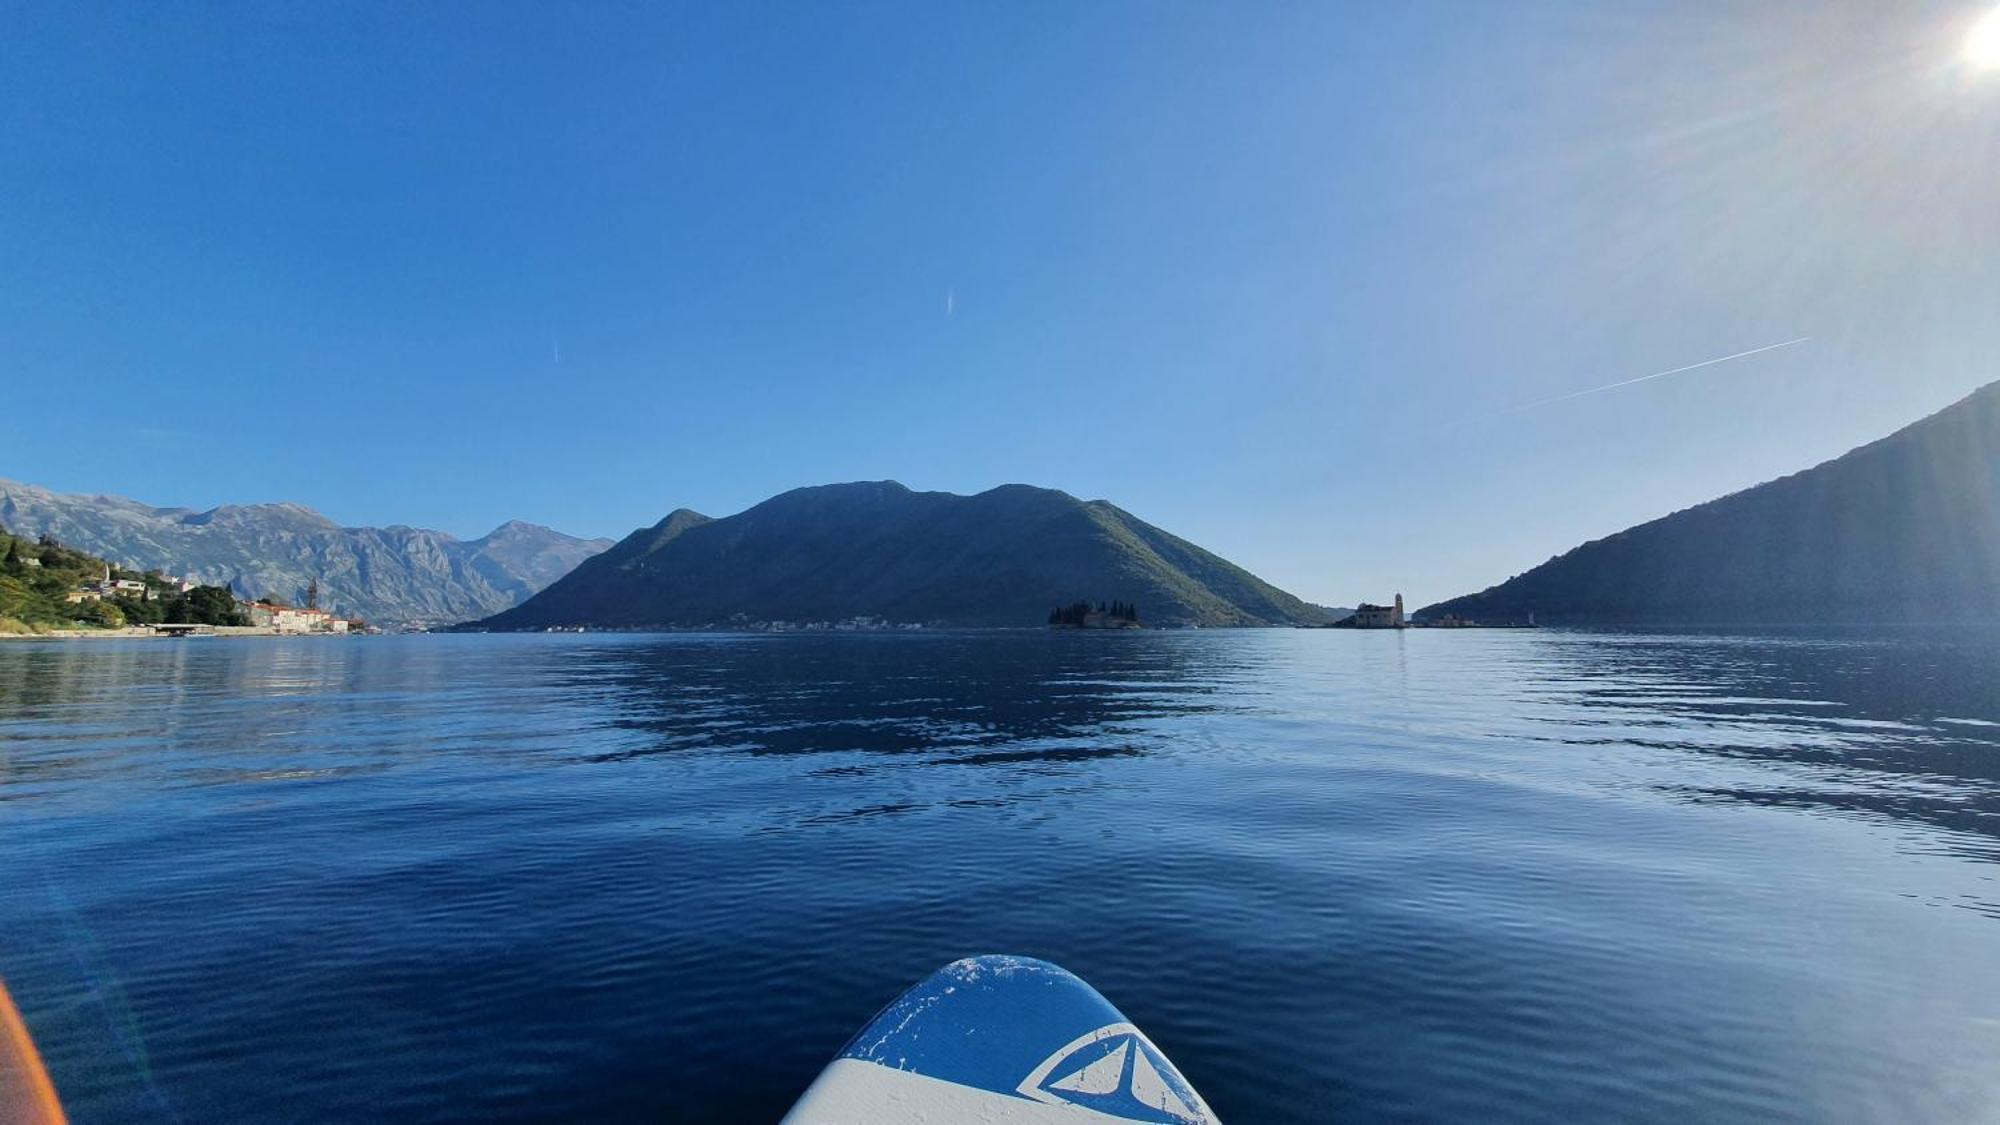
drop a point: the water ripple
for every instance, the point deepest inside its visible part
(1503, 876)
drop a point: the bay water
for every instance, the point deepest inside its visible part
(1338, 876)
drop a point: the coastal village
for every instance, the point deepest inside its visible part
(260, 616)
(47, 588)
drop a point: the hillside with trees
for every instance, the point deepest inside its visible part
(878, 549)
(41, 580)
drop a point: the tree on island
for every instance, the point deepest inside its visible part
(14, 564)
(1080, 613)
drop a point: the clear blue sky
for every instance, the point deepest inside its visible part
(1266, 275)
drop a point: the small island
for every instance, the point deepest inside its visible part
(1370, 616)
(1080, 615)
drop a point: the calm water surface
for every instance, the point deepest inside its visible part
(1365, 877)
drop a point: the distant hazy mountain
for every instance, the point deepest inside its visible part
(388, 575)
(1003, 557)
(1904, 529)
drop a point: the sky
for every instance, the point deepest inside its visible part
(1294, 281)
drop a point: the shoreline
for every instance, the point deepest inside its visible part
(147, 632)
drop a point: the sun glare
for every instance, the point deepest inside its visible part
(1982, 47)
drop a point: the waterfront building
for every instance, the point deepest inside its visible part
(1370, 616)
(293, 619)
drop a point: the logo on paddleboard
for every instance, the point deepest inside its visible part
(1116, 1071)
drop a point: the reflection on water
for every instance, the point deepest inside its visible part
(1422, 876)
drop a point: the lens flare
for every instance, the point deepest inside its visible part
(1982, 47)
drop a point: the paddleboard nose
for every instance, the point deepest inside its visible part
(1006, 1039)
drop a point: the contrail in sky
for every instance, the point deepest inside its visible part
(1654, 375)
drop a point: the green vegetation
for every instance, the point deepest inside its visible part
(206, 605)
(878, 549)
(203, 605)
(1080, 613)
(40, 581)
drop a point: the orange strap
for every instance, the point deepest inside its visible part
(26, 1094)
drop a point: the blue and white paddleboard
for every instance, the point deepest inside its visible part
(1000, 1039)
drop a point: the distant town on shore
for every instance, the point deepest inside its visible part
(49, 588)
(1853, 540)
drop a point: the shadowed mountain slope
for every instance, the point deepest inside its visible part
(1905, 529)
(1002, 557)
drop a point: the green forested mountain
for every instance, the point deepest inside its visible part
(1904, 529)
(878, 549)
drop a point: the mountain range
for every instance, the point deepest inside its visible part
(389, 575)
(878, 549)
(1905, 529)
